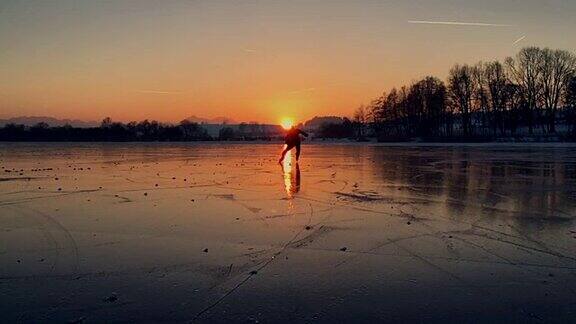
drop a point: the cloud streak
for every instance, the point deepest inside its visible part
(302, 90)
(457, 23)
(519, 40)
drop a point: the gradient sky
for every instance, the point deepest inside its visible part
(247, 60)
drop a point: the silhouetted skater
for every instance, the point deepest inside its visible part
(292, 140)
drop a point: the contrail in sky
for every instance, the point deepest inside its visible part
(519, 40)
(457, 23)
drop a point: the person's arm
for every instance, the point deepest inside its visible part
(303, 133)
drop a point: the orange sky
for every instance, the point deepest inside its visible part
(246, 60)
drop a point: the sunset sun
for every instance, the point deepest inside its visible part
(286, 122)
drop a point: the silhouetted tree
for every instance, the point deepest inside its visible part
(493, 93)
(191, 131)
(525, 70)
(360, 120)
(460, 92)
(337, 130)
(106, 122)
(570, 100)
(242, 130)
(428, 98)
(226, 134)
(557, 69)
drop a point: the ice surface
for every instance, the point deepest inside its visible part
(220, 232)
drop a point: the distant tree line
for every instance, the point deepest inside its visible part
(144, 131)
(532, 93)
(249, 132)
(108, 131)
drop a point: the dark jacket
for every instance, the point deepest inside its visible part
(293, 136)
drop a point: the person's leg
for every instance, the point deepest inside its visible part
(297, 151)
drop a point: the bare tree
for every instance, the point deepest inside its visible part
(106, 122)
(376, 113)
(395, 109)
(432, 102)
(494, 83)
(460, 94)
(360, 120)
(570, 103)
(556, 70)
(525, 70)
(480, 105)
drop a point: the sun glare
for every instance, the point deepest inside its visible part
(286, 123)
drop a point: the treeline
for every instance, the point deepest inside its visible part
(532, 93)
(108, 131)
(250, 132)
(144, 131)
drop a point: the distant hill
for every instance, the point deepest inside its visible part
(317, 121)
(215, 120)
(33, 120)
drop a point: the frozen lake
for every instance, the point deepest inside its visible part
(220, 232)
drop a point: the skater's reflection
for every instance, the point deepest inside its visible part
(291, 173)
